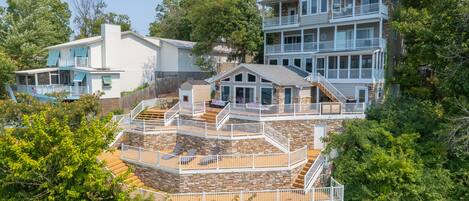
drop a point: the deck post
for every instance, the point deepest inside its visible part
(253, 165)
(294, 109)
(218, 164)
(289, 159)
(157, 159)
(241, 196)
(203, 196)
(312, 193)
(331, 193)
(278, 195)
(206, 129)
(143, 127)
(139, 154)
(231, 131)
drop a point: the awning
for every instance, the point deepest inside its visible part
(79, 76)
(53, 57)
(107, 80)
(80, 52)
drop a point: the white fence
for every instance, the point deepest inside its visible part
(192, 108)
(223, 115)
(280, 21)
(212, 163)
(226, 131)
(314, 172)
(277, 139)
(333, 193)
(170, 115)
(359, 10)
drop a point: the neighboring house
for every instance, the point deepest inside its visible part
(342, 40)
(111, 63)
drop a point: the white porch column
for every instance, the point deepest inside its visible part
(317, 39)
(354, 34)
(36, 82)
(373, 62)
(380, 31)
(281, 41)
(302, 39)
(349, 66)
(265, 46)
(353, 7)
(360, 66)
(279, 13)
(335, 37)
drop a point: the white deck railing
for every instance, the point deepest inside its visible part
(144, 104)
(223, 115)
(212, 163)
(280, 21)
(226, 131)
(54, 88)
(171, 114)
(192, 108)
(314, 172)
(333, 193)
(327, 46)
(276, 138)
(328, 86)
(360, 10)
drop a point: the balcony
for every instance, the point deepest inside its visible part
(72, 92)
(359, 12)
(280, 22)
(327, 46)
(74, 62)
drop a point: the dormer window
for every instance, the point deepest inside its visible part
(239, 77)
(251, 77)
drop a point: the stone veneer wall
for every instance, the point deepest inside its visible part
(302, 131)
(235, 181)
(164, 141)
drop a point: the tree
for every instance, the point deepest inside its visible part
(172, 20)
(90, 16)
(28, 26)
(7, 67)
(233, 23)
(378, 165)
(51, 155)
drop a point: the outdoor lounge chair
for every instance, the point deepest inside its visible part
(176, 151)
(190, 156)
(212, 158)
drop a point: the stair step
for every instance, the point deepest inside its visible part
(121, 170)
(117, 166)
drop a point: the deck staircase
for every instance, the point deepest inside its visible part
(118, 168)
(327, 88)
(210, 115)
(151, 114)
(299, 181)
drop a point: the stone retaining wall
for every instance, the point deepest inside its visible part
(164, 141)
(236, 181)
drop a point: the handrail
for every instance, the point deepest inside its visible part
(278, 138)
(223, 115)
(137, 109)
(171, 114)
(216, 162)
(330, 87)
(314, 172)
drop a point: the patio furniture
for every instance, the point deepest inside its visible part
(190, 156)
(218, 103)
(212, 158)
(176, 151)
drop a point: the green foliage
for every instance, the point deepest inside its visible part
(235, 23)
(378, 165)
(28, 26)
(51, 154)
(90, 16)
(7, 66)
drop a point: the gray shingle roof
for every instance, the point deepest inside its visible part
(197, 82)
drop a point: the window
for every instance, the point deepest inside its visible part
(332, 67)
(239, 77)
(297, 62)
(361, 94)
(22, 80)
(54, 78)
(31, 80)
(266, 96)
(107, 81)
(265, 81)
(292, 39)
(273, 62)
(366, 66)
(323, 6)
(343, 65)
(226, 79)
(185, 98)
(304, 7)
(285, 62)
(314, 6)
(355, 67)
(320, 64)
(309, 64)
(225, 93)
(251, 78)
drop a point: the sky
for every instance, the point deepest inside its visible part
(141, 12)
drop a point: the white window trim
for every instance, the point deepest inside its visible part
(289, 61)
(242, 78)
(291, 95)
(221, 91)
(312, 64)
(319, 7)
(272, 60)
(241, 86)
(247, 78)
(271, 97)
(357, 93)
(301, 62)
